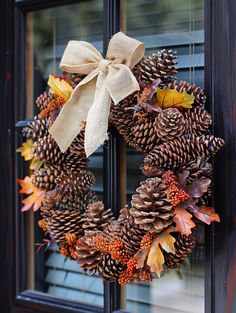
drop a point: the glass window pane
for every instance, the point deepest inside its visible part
(176, 25)
(48, 32)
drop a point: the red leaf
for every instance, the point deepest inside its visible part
(206, 214)
(183, 221)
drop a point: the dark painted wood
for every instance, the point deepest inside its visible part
(221, 87)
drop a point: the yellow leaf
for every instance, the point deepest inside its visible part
(167, 98)
(26, 150)
(155, 257)
(60, 87)
(35, 164)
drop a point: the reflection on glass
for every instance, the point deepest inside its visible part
(48, 32)
(176, 25)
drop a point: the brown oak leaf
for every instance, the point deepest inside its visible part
(206, 214)
(183, 221)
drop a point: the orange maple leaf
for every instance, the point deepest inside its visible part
(36, 195)
(155, 257)
(183, 221)
(206, 214)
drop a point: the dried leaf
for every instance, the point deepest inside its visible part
(155, 257)
(198, 187)
(36, 195)
(26, 150)
(35, 164)
(167, 98)
(141, 256)
(206, 214)
(60, 87)
(183, 221)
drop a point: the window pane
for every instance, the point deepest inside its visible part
(48, 32)
(176, 25)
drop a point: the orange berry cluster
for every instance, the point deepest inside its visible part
(42, 224)
(169, 178)
(176, 195)
(118, 251)
(69, 248)
(146, 241)
(127, 276)
(54, 104)
(101, 243)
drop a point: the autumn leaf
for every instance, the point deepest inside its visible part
(183, 221)
(206, 214)
(36, 195)
(141, 256)
(36, 164)
(167, 98)
(26, 150)
(198, 187)
(155, 257)
(60, 87)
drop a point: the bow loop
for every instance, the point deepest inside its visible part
(106, 79)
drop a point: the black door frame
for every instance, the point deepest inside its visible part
(220, 79)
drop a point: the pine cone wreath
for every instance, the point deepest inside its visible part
(183, 247)
(37, 129)
(181, 151)
(44, 178)
(161, 65)
(87, 256)
(191, 89)
(59, 223)
(109, 269)
(96, 217)
(197, 121)
(170, 124)
(44, 99)
(73, 182)
(150, 208)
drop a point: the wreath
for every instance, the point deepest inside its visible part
(161, 117)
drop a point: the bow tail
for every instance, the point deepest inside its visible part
(68, 123)
(97, 119)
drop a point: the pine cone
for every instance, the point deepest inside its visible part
(44, 178)
(179, 152)
(76, 201)
(183, 247)
(170, 124)
(87, 255)
(131, 235)
(74, 182)
(73, 78)
(109, 269)
(198, 168)
(113, 230)
(150, 208)
(59, 223)
(121, 115)
(47, 150)
(44, 99)
(37, 129)
(77, 146)
(74, 162)
(96, 217)
(191, 89)
(197, 121)
(142, 135)
(161, 65)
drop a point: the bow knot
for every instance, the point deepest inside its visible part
(103, 66)
(90, 101)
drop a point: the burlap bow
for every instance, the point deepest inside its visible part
(91, 99)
